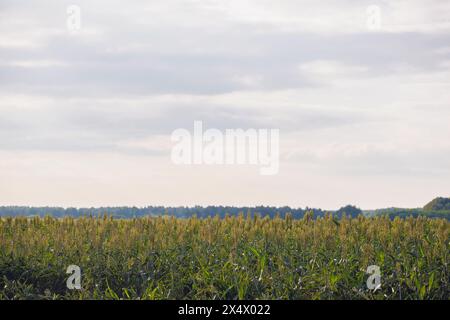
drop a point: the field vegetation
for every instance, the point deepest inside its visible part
(230, 258)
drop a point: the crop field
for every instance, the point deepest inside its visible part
(231, 258)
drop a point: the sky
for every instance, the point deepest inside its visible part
(362, 105)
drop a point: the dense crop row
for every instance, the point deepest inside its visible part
(231, 258)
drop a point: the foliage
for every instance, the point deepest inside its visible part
(438, 204)
(180, 212)
(392, 213)
(349, 210)
(230, 258)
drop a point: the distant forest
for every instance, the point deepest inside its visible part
(180, 212)
(435, 209)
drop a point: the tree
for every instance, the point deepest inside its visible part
(349, 210)
(438, 204)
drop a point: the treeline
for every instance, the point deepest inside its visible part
(211, 211)
(180, 212)
(439, 203)
(404, 213)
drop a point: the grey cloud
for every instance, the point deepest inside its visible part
(186, 60)
(91, 127)
(414, 163)
(131, 58)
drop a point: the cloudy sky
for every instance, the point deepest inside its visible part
(363, 108)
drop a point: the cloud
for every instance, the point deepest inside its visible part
(351, 103)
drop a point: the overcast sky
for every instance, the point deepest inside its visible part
(363, 112)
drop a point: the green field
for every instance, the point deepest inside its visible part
(230, 258)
